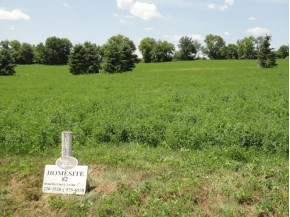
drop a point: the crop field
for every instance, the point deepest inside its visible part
(198, 138)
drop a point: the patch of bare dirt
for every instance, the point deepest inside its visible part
(6, 160)
(95, 171)
(106, 188)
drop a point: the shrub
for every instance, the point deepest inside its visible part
(7, 62)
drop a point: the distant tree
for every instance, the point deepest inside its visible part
(283, 51)
(15, 47)
(188, 49)
(57, 50)
(39, 54)
(85, 59)
(246, 48)
(215, 47)
(267, 58)
(163, 51)
(231, 52)
(26, 54)
(5, 44)
(6, 62)
(118, 55)
(258, 42)
(146, 47)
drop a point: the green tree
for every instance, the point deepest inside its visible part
(258, 42)
(85, 59)
(15, 46)
(118, 55)
(246, 48)
(231, 52)
(283, 51)
(215, 47)
(188, 48)
(6, 62)
(26, 54)
(267, 58)
(39, 54)
(5, 44)
(57, 50)
(146, 47)
(163, 51)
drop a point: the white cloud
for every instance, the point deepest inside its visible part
(145, 11)
(223, 8)
(226, 33)
(66, 5)
(211, 6)
(252, 18)
(229, 2)
(13, 15)
(116, 15)
(149, 28)
(142, 10)
(258, 31)
(125, 4)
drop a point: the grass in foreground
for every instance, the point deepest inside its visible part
(135, 180)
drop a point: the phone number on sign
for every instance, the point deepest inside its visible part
(65, 190)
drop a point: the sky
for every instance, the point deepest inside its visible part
(96, 21)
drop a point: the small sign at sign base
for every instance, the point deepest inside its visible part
(65, 181)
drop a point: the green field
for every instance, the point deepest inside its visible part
(199, 138)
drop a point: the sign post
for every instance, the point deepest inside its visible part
(65, 177)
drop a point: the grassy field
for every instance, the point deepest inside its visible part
(201, 138)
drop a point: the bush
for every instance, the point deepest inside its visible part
(7, 62)
(85, 59)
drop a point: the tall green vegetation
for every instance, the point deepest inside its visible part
(85, 59)
(283, 52)
(57, 50)
(156, 51)
(147, 47)
(231, 52)
(215, 47)
(163, 51)
(6, 62)
(26, 55)
(189, 104)
(188, 49)
(267, 58)
(39, 53)
(118, 55)
(246, 48)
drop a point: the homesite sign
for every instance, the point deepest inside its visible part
(65, 181)
(65, 177)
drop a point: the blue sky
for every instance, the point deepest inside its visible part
(33, 21)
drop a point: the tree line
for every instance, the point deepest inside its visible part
(215, 48)
(118, 54)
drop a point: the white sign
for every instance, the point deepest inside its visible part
(65, 181)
